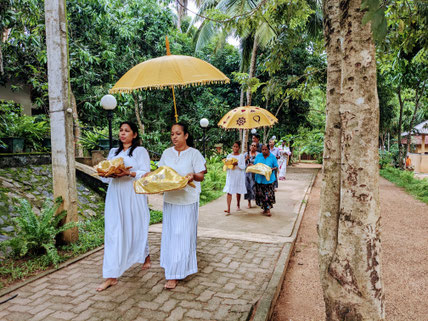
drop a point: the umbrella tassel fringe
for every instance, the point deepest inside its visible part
(199, 83)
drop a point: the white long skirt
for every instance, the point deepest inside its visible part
(282, 168)
(127, 219)
(178, 245)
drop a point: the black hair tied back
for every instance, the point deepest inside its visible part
(185, 129)
(135, 141)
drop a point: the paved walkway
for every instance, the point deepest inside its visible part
(241, 259)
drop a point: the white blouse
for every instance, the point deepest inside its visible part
(139, 162)
(188, 161)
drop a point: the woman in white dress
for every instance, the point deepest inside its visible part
(285, 153)
(181, 208)
(126, 213)
(235, 178)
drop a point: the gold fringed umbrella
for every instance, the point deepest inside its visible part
(247, 117)
(169, 71)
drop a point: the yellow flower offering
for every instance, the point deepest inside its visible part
(164, 179)
(229, 163)
(110, 167)
(261, 169)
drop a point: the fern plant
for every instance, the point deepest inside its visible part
(35, 234)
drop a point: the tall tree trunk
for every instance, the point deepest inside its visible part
(181, 12)
(1, 58)
(76, 126)
(61, 120)
(137, 112)
(252, 68)
(250, 75)
(330, 186)
(418, 95)
(382, 141)
(349, 226)
(400, 124)
(286, 100)
(241, 103)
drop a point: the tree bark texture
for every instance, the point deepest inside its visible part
(76, 126)
(400, 125)
(61, 115)
(252, 68)
(349, 223)
(137, 112)
(419, 93)
(181, 12)
(1, 59)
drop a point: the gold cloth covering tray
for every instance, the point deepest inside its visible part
(108, 168)
(229, 163)
(164, 179)
(261, 169)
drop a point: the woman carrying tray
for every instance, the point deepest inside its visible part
(181, 208)
(265, 190)
(235, 178)
(127, 214)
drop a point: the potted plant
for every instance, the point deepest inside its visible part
(11, 127)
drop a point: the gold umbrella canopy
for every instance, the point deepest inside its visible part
(247, 117)
(169, 71)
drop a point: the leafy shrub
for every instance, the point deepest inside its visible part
(309, 142)
(14, 124)
(214, 180)
(155, 216)
(153, 165)
(35, 234)
(90, 137)
(386, 159)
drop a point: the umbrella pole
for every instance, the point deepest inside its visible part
(175, 106)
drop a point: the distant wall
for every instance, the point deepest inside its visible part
(22, 160)
(419, 162)
(22, 97)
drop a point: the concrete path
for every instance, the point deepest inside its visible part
(242, 260)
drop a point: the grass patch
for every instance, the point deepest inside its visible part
(91, 236)
(415, 187)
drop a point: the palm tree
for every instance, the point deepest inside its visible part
(255, 31)
(181, 11)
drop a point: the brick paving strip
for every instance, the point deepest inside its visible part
(236, 273)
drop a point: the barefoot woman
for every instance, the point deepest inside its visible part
(235, 178)
(181, 208)
(126, 213)
(265, 190)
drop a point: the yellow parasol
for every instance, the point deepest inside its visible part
(169, 71)
(247, 117)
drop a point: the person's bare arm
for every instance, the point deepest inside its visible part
(198, 177)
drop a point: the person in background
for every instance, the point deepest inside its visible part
(275, 152)
(181, 208)
(235, 178)
(256, 139)
(126, 213)
(250, 177)
(265, 190)
(285, 153)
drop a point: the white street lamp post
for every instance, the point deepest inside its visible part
(204, 124)
(108, 102)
